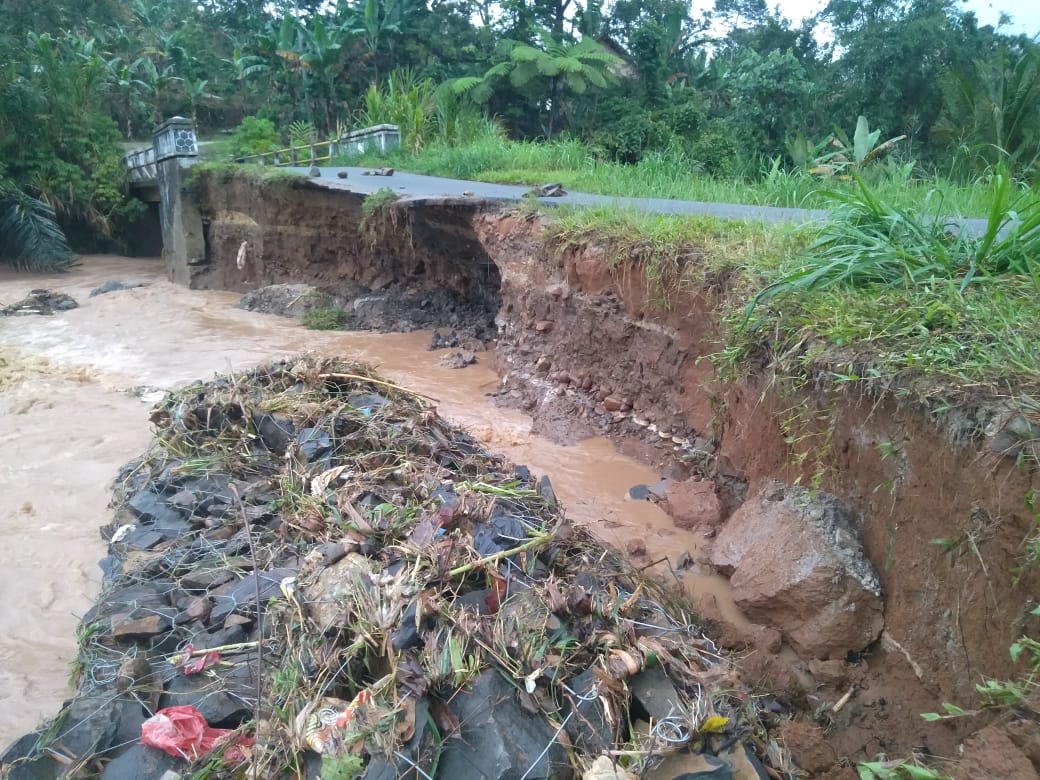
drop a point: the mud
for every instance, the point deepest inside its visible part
(586, 350)
(75, 393)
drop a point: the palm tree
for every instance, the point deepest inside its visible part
(30, 238)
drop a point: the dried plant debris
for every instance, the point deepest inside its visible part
(311, 557)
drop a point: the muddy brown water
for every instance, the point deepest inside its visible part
(69, 419)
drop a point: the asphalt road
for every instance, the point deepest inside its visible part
(418, 187)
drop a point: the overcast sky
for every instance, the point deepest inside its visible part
(1025, 14)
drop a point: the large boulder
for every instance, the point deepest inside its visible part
(796, 563)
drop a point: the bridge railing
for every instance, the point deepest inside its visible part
(140, 164)
(379, 138)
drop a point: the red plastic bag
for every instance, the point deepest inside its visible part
(181, 732)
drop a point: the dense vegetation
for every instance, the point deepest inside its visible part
(733, 93)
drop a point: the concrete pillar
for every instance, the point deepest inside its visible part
(184, 245)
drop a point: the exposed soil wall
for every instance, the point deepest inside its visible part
(587, 350)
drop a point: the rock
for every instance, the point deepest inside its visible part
(554, 190)
(654, 693)
(831, 672)
(143, 763)
(543, 326)
(313, 443)
(639, 493)
(458, 359)
(590, 729)
(327, 598)
(112, 286)
(797, 564)
(545, 489)
(150, 509)
(659, 490)
(693, 503)
(499, 741)
(342, 174)
(287, 300)
(419, 750)
(125, 627)
(202, 579)
(225, 701)
(275, 431)
(612, 403)
(240, 596)
(315, 172)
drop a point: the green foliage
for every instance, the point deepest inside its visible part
(253, 136)
(346, 768)
(867, 241)
(897, 770)
(30, 239)
(631, 136)
(331, 318)
(404, 100)
(845, 156)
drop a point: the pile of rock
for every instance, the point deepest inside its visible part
(334, 582)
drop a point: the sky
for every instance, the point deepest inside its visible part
(1025, 14)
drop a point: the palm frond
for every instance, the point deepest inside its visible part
(30, 239)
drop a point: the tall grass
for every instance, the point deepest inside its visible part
(674, 174)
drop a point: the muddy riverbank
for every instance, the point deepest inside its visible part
(75, 395)
(586, 347)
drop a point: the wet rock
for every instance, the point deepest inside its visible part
(203, 578)
(444, 340)
(545, 489)
(225, 701)
(315, 172)
(241, 596)
(797, 564)
(410, 628)
(342, 174)
(419, 750)
(143, 763)
(329, 596)
(152, 510)
(590, 729)
(112, 286)
(313, 443)
(654, 696)
(638, 493)
(275, 431)
(125, 627)
(693, 503)
(458, 359)
(500, 741)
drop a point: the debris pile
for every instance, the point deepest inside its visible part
(311, 574)
(40, 302)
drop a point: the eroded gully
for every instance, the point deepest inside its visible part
(69, 419)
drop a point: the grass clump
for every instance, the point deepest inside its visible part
(326, 318)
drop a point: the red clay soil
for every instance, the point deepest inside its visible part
(590, 351)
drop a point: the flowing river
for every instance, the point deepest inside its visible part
(72, 411)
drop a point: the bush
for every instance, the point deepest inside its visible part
(714, 150)
(628, 139)
(331, 318)
(253, 136)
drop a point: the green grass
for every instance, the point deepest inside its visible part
(332, 318)
(662, 175)
(928, 341)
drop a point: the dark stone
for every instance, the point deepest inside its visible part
(590, 728)
(523, 474)
(40, 768)
(275, 431)
(653, 695)
(499, 740)
(112, 286)
(639, 492)
(408, 634)
(313, 443)
(151, 509)
(201, 579)
(545, 488)
(659, 490)
(90, 725)
(147, 538)
(331, 552)
(142, 763)
(225, 702)
(241, 596)
(342, 174)
(111, 567)
(501, 532)
(150, 595)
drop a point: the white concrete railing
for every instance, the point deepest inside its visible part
(380, 138)
(140, 164)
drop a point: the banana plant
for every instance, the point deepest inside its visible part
(846, 156)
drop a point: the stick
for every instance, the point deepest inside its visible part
(843, 700)
(528, 545)
(370, 380)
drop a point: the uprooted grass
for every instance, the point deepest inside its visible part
(423, 562)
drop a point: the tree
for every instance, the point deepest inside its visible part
(544, 74)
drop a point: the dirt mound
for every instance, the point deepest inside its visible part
(288, 300)
(311, 571)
